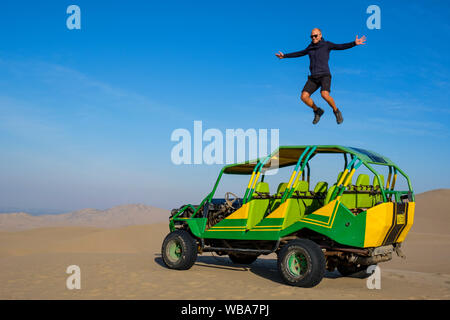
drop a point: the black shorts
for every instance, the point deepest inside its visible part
(314, 82)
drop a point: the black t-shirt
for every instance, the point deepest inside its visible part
(319, 54)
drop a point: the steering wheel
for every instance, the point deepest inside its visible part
(227, 199)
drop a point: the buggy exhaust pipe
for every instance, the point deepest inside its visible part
(366, 261)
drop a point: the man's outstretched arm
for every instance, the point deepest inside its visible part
(282, 55)
(343, 46)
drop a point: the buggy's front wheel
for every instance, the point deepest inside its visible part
(179, 250)
(301, 263)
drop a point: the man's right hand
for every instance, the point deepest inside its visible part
(280, 54)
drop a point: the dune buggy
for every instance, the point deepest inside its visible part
(342, 225)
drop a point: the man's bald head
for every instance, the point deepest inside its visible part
(316, 35)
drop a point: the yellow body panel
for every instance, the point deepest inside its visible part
(326, 210)
(283, 210)
(329, 210)
(291, 216)
(411, 207)
(241, 213)
(279, 212)
(378, 223)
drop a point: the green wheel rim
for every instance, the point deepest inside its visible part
(297, 264)
(174, 251)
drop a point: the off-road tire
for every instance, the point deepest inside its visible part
(242, 258)
(353, 271)
(179, 250)
(301, 263)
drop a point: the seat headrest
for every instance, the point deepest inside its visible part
(375, 180)
(262, 187)
(329, 194)
(302, 186)
(321, 187)
(363, 180)
(282, 187)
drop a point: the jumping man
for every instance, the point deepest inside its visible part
(319, 54)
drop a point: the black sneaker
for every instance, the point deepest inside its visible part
(317, 114)
(339, 118)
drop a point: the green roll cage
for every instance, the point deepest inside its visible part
(299, 156)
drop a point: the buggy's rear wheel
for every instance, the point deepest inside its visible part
(301, 263)
(179, 250)
(242, 258)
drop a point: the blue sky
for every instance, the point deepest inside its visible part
(86, 115)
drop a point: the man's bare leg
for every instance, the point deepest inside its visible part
(326, 96)
(318, 112)
(306, 98)
(329, 99)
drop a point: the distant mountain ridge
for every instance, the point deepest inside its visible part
(33, 211)
(118, 216)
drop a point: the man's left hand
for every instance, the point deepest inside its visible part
(361, 40)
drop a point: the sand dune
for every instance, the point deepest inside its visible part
(433, 212)
(119, 216)
(125, 263)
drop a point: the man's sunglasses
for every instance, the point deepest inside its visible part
(315, 36)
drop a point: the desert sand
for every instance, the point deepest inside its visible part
(120, 259)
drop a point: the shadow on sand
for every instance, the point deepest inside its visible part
(265, 268)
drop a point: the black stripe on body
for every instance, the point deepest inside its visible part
(406, 222)
(396, 229)
(392, 225)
